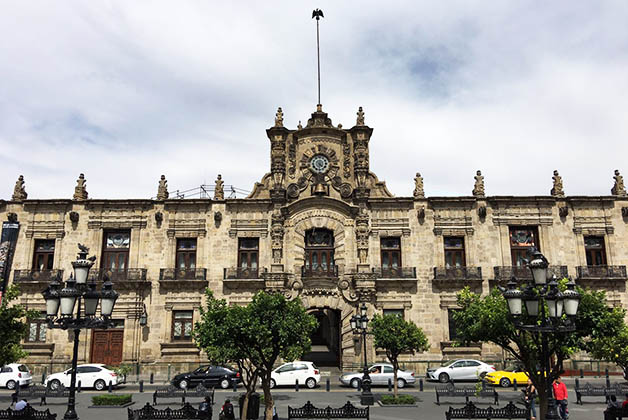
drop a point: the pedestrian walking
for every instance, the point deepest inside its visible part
(560, 394)
(530, 399)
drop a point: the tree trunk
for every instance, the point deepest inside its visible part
(395, 390)
(268, 398)
(245, 406)
(541, 390)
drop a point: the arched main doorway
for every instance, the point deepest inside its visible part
(319, 252)
(326, 338)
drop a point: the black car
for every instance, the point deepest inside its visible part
(209, 376)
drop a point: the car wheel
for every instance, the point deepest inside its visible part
(443, 378)
(273, 383)
(224, 384)
(310, 383)
(11, 384)
(99, 385)
(183, 384)
(355, 383)
(504, 382)
(482, 375)
(401, 383)
(54, 384)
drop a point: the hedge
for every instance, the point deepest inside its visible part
(400, 400)
(111, 399)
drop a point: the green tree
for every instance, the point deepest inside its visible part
(14, 328)
(255, 336)
(396, 336)
(486, 319)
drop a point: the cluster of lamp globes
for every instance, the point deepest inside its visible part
(360, 322)
(76, 287)
(557, 302)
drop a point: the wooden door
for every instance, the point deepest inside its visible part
(107, 346)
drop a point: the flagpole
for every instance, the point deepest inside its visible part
(318, 14)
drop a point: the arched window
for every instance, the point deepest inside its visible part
(319, 253)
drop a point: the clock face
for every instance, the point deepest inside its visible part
(319, 164)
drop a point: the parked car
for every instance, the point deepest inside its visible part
(94, 375)
(287, 374)
(379, 373)
(457, 370)
(209, 376)
(15, 374)
(505, 378)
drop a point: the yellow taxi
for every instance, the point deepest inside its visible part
(506, 378)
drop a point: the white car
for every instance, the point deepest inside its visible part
(380, 374)
(287, 374)
(13, 374)
(466, 369)
(95, 376)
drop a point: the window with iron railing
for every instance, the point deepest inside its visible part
(390, 253)
(454, 251)
(248, 256)
(595, 251)
(43, 258)
(522, 239)
(186, 254)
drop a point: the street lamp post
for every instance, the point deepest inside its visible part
(544, 306)
(359, 325)
(78, 302)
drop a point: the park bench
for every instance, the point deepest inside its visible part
(172, 391)
(450, 390)
(615, 413)
(347, 411)
(28, 413)
(470, 411)
(40, 391)
(602, 390)
(148, 412)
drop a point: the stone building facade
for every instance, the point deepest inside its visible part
(319, 226)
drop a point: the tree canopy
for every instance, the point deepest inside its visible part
(14, 328)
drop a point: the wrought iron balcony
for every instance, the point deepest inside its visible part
(457, 273)
(523, 274)
(35, 276)
(172, 274)
(119, 276)
(319, 271)
(601, 272)
(395, 273)
(236, 273)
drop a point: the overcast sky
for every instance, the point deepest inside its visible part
(125, 91)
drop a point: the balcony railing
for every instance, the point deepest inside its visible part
(613, 272)
(319, 271)
(236, 273)
(523, 274)
(395, 273)
(457, 273)
(117, 275)
(35, 276)
(167, 274)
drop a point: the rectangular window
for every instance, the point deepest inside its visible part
(115, 254)
(182, 325)
(594, 248)
(397, 312)
(453, 333)
(37, 330)
(248, 256)
(391, 253)
(522, 239)
(454, 251)
(44, 255)
(186, 254)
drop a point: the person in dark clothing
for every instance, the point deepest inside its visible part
(206, 408)
(227, 412)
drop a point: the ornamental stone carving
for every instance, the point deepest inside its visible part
(19, 192)
(219, 190)
(360, 120)
(279, 118)
(619, 188)
(162, 190)
(276, 234)
(478, 189)
(418, 186)
(362, 235)
(557, 188)
(80, 191)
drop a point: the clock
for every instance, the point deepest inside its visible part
(319, 164)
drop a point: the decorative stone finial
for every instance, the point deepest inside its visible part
(418, 186)
(219, 190)
(478, 189)
(80, 191)
(319, 107)
(299, 126)
(557, 189)
(19, 192)
(619, 188)
(162, 190)
(360, 120)
(279, 118)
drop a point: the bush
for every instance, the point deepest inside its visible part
(111, 399)
(400, 400)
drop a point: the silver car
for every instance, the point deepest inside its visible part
(466, 369)
(379, 373)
